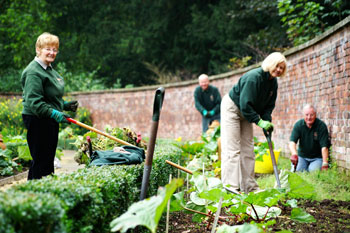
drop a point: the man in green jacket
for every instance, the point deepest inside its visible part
(312, 134)
(207, 101)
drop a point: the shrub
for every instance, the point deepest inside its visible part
(81, 202)
(93, 196)
(7, 166)
(10, 80)
(10, 116)
(29, 212)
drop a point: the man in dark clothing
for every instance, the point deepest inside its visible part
(312, 134)
(207, 101)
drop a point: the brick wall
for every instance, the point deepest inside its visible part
(318, 73)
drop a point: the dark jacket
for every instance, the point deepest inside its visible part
(255, 95)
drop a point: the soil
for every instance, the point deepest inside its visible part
(331, 216)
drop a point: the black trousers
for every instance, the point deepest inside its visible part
(42, 138)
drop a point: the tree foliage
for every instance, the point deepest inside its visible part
(136, 42)
(306, 19)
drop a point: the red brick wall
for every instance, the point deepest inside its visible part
(318, 73)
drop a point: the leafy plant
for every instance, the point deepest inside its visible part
(81, 81)
(306, 19)
(147, 212)
(260, 149)
(18, 152)
(7, 165)
(236, 63)
(11, 122)
(257, 208)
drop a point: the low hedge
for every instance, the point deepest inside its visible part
(86, 200)
(30, 212)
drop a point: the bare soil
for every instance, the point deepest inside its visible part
(331, 216)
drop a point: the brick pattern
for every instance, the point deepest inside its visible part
(317, 74)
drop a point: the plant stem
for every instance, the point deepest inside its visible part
(257, 216)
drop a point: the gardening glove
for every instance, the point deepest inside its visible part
(60, 117)
(205, 113)
(71, 105)
(266, 125)
(325, 166)
(212, 113)
(294, 159)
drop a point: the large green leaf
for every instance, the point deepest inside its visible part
(214, 195)
(299, 188)
(199, 182)
(191, 147)
(245, 228)
(267, 197)
(238, 208)
(24, 153)
(197, 200)
(147, 212)
(301, 215)
(177, 201)
(264, 212)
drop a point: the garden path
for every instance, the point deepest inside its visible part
(67, 163)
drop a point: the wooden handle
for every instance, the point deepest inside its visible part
(98, 131)
(178, 166)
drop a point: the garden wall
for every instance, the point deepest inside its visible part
(318, 73)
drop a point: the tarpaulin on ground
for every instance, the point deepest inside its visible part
(109, 157)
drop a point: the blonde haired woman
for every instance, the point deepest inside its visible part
(43, 106)
(251, 100)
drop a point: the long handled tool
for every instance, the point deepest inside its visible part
(179, 167)
(157, 106)
(273, 159)
(98, 131)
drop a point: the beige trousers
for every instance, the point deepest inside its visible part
(238, 158)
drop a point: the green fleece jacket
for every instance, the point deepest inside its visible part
(311, 140)
(209, 99)
(255, 95)
(42, 90)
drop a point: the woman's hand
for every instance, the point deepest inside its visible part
(266, 125)
(71, 105)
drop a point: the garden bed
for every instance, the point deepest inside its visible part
(331, 216)
(4, 180)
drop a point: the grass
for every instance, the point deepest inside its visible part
(331, 184)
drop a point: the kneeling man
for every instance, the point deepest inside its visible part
(312, 134)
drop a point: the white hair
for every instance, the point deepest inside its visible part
(271, 62)
(203, 76)
(307, 106)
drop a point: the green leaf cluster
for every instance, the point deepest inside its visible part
(147, 212)
(11, 122)
(306, 19)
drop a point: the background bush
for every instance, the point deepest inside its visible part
(11, 122)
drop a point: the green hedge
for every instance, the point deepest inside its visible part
(89, 199)
(30, 212)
